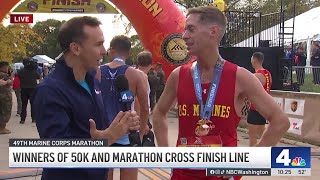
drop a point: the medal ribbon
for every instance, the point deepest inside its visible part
(206, 110)
(119, 60)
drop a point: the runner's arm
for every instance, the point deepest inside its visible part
(265, 105)
(143, 96)
(167, 99)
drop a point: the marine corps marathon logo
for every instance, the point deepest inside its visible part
(101, 8)
(32, 6)
(174, 50)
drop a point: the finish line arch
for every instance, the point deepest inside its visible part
(159, 24)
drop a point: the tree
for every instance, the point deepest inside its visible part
(7, 44)
(136, 48)
(191, 3)
(14, 42)
(48, 30)
(125, 22)
(231, 4)
(182, 3)
(272, 6)
(264, 6)
(244, 24)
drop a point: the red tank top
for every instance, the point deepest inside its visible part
(224, 116)
(16, 83)
(267, 86)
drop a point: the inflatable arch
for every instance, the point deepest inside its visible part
(159, 24)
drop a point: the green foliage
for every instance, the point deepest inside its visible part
(125, 23)
(136, 47)
(264, 6)
(48, 30)
(271, 6)
(14, 42)
(231, 4)
(18, 41)
(191, 3)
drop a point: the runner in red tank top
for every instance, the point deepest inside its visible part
(256, 122)
(224, 119)
(215, 83)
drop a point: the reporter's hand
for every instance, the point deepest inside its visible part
(123, 122)
(94, 133)
(115, 130)
(120, 125)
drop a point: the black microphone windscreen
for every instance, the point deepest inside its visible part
(121, 83)
(126, 96)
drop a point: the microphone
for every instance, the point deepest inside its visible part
(126, 98)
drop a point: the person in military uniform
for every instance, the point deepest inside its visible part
(153, 83)
(161, 76)
(5, 98)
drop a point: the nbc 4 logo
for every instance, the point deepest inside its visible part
(284, 158)
(298, 161)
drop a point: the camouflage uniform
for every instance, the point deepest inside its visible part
(153, 83)
(5, 102)
(161, 85)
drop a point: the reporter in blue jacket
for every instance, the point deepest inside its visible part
(69, 96)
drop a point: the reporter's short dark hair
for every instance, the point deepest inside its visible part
(121, 44)
(259, 56)
(72, 30)
(144, 58)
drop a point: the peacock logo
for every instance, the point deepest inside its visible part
(298, 161)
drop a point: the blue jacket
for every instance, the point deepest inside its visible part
(62, 109)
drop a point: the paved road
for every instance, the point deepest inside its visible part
(28, 130)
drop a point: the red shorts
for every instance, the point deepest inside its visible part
(190, 174)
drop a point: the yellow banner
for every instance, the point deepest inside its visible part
(220, 4)
(66, 6)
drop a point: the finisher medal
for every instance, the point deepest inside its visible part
(203, 127)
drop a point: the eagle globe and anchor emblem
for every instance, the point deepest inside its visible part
(32, 6)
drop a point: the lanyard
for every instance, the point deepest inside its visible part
(119, 60)
(206, 109)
